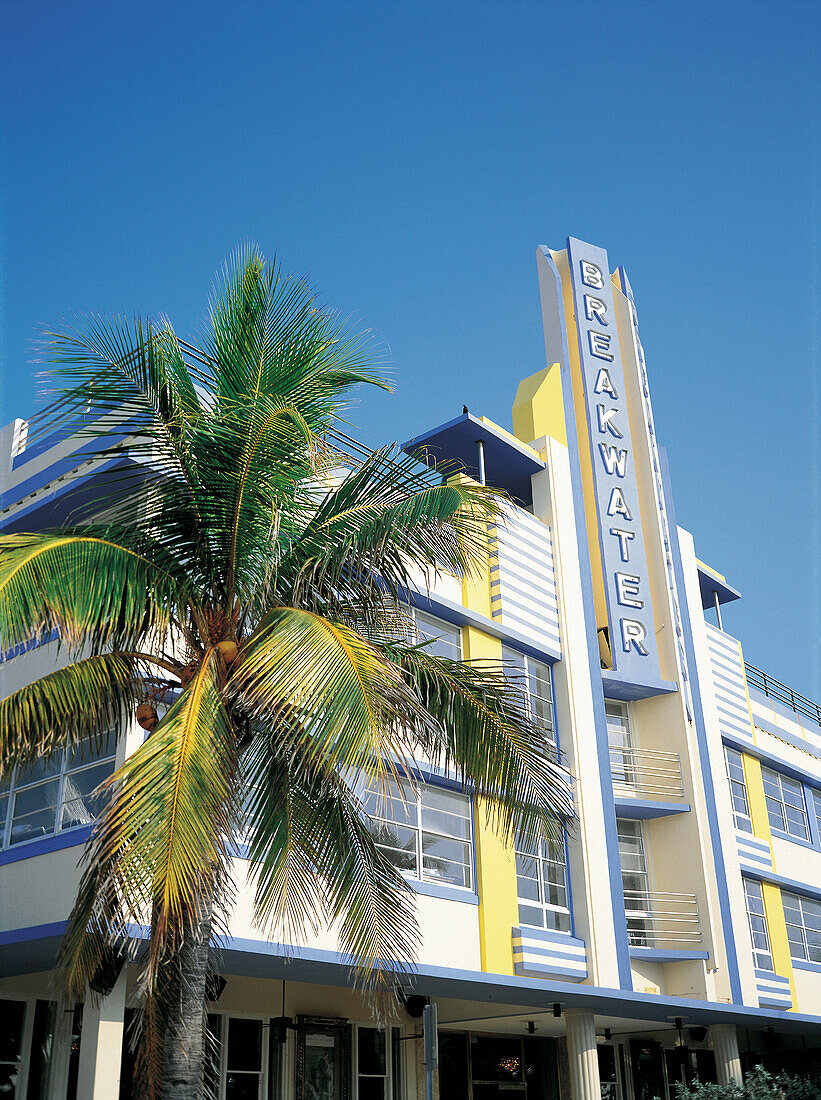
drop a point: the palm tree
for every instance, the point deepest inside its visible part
(247, 598)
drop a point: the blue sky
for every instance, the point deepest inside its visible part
(410, 158)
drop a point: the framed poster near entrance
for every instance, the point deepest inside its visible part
(323, 1058)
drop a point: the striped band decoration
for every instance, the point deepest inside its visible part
(522, 577)
(730, 684)
(539, 954)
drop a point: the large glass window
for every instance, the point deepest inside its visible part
(424, 830)
(541, 877)
(734, 764)
(803, 916)
(762, 955)
(371, 1064)
(445, 639)
(243, 1060)
(54, 795)
(635, 881)
(816, 807)
(12, 1016)
(785, 804)
(532, 679)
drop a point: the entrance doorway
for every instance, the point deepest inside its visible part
(497, 1067)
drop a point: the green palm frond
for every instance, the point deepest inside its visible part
(312, 854)
(380, 525)
(160, 845)
(84, 700)
(485, 733)
(345, 702)
(93, 591)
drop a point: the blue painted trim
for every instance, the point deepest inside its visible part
(69, 838)
(793, 739)
(701, 738)
(33, 932)
(776, 763)
(792, 839)
(523, 968)
(495, 988)
(548, 935)
(659, 954)
(643, 809)
(763, 874)
(616, 687)
(28, 646)
(611, 839)
(805, 964)
(785, 711)
(455, 613)
(771, 976)
(441, 890)
(11, 498)
(551, 952)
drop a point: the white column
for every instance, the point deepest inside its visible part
(582, 1056)
(101, 1044)
(725, 1045)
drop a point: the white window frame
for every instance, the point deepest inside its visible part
(544, 857)
(528, 675)
(776, 815)
(621, 764)
(738, 787)
(388, 1075)
(638, 936)
(757, 919)
(8, 796)
(445, 638)
(803, 906)
(263, 1021)
(412, 795)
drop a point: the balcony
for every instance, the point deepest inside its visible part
(646, 774)
(662, 921)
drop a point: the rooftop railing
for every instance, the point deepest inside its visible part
(662, 920)
(776, 690)
(646, 773)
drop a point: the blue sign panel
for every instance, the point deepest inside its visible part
(627, 589)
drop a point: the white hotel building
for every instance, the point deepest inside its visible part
(677, 932)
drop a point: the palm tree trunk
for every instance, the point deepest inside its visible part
(183, 1055)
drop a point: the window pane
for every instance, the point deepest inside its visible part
(43, 769)
(529, 914)
(437, 821)
(241, 1086)
(244, 1044)
(445, 639)
(11, 1029)
(371, 1043)
(80, 807)
(371, 1088)
(35, 811)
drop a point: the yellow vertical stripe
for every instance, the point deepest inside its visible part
(773, 908)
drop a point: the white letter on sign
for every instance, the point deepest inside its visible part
(625, 538)
(595, 309)
(627, 588)
(633, 634)
(604, 384)
(600, 344)
(591, 275)
(615, 461)
(618, 505)
(606, 421)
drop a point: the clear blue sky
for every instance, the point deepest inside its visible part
(410, 157)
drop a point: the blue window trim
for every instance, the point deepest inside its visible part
(793, 839)
(658, 954)
(67, 838)
(805, 964)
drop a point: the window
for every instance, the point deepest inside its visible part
(635, 881)
(816, 806)
(734, 764)
(620, 740)
(54, 795)
(785, 804)
(243, 1060)
(371, 1064)
(445, 639)
(424, 831)
(541, 877)
(762, 956)
(803, 917)
(532, 678)
(12, 1017)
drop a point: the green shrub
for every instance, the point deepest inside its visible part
(759, 1085)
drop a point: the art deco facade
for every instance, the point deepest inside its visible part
(677, 931)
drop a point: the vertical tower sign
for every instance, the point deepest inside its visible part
(624, 562)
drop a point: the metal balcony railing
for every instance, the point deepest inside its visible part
(646, 773)
(662, 920)
(776, 690)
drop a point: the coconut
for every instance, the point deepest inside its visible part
(229, 651)
(147, 716)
